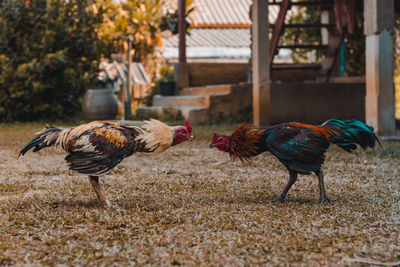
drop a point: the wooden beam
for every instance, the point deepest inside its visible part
(182, 30)
(301, 46)
(379, 100)
(220, 25)
(308, 3)
(307, 25)
(260, 63)
(280, 20)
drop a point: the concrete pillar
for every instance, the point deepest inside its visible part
(379, 101)
(260, 63)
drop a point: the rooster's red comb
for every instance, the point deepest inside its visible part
(188, 127)
(215, 137)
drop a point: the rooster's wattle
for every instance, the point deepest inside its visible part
(97, 147)
(300, 147)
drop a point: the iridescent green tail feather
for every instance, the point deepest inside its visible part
(348, 133)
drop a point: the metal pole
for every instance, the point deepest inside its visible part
(127, 104)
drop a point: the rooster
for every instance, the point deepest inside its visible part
(97, 147)
(300, 147)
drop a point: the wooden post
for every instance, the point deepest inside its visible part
(182, 30)
(379, 101)
(260, 63)
(180, 69)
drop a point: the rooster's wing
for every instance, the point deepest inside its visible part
(98, 149)
(299, 149)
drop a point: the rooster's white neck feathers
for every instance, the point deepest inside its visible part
(158, 136)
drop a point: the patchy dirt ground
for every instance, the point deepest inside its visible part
(191, 206)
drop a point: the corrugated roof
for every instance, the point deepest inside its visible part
(213, 37)
(226, 12)
(228, 22)
(221, 12)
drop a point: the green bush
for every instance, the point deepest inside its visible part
(49, 53)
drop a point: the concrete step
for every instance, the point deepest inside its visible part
(202, 101)
(206, 90)
(193, 114)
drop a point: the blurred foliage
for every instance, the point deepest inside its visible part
(305, 36)
(170, 20)
(166, 73)
(49, 53)
(143, 21)
(50, 49)
(139, 19)
(147, 22)
(355, 49)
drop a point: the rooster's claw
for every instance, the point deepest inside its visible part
(324, 200)
(278, 199)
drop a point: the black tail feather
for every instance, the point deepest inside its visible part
(46, 138)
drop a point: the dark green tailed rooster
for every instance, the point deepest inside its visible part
(300, 147)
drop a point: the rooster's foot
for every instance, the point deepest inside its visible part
(278, 199)
(323, 200)
(104, 201)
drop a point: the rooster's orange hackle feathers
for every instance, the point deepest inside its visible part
(245, 140)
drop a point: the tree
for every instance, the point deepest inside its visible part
(49, 53)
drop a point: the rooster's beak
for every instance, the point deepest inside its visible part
(211, 145)
(191, 137)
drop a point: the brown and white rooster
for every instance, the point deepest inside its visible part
(97, 147)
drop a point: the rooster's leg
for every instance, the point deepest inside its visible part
(282, 195)
(94, 180)
(322, 194)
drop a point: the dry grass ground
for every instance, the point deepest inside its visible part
(188, 207)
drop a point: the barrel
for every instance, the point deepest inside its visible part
(100, 104)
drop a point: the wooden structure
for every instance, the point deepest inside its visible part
(378, 25)
(379, 58)
(264, 50)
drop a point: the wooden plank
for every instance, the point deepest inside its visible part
(317, 4)
(182, 30)
(260, 63)
(280, 20)
(306, 25)
(201, 74)
(303, 46)
(295, 66)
